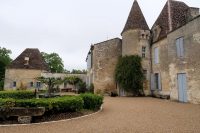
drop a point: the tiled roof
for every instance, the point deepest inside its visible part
(178, 12)
(136, 19)
(35, 60)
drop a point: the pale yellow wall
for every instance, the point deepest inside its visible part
(20, 76)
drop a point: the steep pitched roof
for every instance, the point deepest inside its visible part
(135, 19)
(178, 11)
(35, 60)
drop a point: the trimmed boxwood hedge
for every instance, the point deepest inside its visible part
(17, 94)
(92, 101)
(59, 104)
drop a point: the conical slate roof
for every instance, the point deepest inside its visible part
(178, 11)
(35, 60)
(136, 19)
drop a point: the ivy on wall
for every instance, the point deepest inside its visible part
(129, 74)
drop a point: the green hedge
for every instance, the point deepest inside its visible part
(59, 104)
(92, 101)
(17, 94)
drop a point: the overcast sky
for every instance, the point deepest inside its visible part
(68, 27)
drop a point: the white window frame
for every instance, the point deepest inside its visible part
(144, 51)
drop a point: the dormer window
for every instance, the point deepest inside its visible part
(142, 35)
(156, 32)
(26, 60)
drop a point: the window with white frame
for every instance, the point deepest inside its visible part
(179, 47)
(143, 52)
(38, 84)
(156, 55)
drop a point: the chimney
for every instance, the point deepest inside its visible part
(169, 15)
(26, 61)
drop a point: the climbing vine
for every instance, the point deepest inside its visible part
(129, 74)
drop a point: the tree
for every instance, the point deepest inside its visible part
(51, 83)
(74, 71)
(54, 62)
(129, 74)
(5, 60)
(72, 80)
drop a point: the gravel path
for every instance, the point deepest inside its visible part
(126, 115)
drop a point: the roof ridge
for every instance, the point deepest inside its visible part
(36, 61)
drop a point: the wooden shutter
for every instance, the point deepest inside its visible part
(178, 48)
(159, 82)
(181, 47)
(152, 82)
(156, 56)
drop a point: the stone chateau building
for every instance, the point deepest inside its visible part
(169, 50)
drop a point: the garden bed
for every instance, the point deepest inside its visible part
(58, 108)
(50, 117)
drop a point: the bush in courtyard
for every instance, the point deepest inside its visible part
(91, 88)
(92, 101)
(58, 104)
(82, 87)
(17, 94)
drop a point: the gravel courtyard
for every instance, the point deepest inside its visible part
(126, 115)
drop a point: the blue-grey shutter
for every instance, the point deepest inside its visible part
(182, 87)
(152, 82)
(178, 48)
(159, 82)
(156, 55)
(181, 47)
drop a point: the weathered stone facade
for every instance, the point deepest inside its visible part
(175, 32)
(21, 73)
(189, 63)
(23, 78)
(104, 59)
(133, 43)
(160, 68)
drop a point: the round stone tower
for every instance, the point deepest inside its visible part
(136, 40)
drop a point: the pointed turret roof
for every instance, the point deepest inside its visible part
(178, 12)
(136, 19)
(35, 60)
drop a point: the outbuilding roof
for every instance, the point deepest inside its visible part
(30, 58)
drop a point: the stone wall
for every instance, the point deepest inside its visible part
(62, 76)
(132, 43)
(22, 77)
(105, 57)
(189, 64)
(162, 67)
